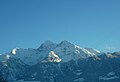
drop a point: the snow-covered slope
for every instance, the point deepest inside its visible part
(52, 57)
(52, 62)
(65, 51)
(68, 51)
(29, 56)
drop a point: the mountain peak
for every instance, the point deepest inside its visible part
(65, 50)
(48, 42)
(47, 45)
(65, 42)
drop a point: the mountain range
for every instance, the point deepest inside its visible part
(59, 62)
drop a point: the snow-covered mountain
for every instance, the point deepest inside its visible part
(65, 50)
(51, 62)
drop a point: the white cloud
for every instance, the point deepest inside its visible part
(110, 47)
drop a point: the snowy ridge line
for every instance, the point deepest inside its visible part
(61, 52)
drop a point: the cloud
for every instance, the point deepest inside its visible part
(110, 47)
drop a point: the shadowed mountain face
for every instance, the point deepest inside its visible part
(2, 79)
(62, 62)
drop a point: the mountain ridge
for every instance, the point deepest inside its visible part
(52, 60)
(64, 50)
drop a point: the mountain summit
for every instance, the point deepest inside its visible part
(65, 50)
(51, 62)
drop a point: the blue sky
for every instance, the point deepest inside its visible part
(89, 23)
